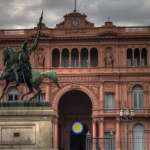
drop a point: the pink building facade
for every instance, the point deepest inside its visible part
(101, 70)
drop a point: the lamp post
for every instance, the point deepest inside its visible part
(127, 120)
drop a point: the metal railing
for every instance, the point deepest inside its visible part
(111, 143)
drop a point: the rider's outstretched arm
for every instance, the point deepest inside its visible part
(35, 45)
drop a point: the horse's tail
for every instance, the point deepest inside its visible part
(52, 75)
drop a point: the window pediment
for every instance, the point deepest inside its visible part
(108, 34)
(42, 35)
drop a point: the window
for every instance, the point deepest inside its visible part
(129, 57)
(74, 58)
(13, 93)
(136, 57)
(144, 57)
(137, 97)
(138, 137)
(55, 58)
(109, 101)
(110, 141)
(93, 57)
(40, 97)
(65, 58)
(84, 58)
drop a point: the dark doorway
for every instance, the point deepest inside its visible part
(77, 141)
(74, 106)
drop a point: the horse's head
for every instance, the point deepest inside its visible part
(6, 53)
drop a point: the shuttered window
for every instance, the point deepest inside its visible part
(137, 97)
(13, 93)
(138, 137)
(109, 100)
(40, 97)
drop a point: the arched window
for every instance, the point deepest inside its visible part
(13, 93)
(74, 58)
(129, 57)
(55, 58)
(40, 97)
(137, 97)
(144, 57)
(65, 58)
(84, 57)
(136, 57)
(138, 137)
(93, 57)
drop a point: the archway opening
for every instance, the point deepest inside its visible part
(74, 106)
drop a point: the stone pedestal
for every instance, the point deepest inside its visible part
(27, 128)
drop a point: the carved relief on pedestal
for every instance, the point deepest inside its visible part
(109, 58)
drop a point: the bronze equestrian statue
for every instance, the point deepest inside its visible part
(18, 68)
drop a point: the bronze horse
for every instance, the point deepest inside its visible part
(32, 81)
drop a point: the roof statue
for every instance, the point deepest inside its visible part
(18, 68)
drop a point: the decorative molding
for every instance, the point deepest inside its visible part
(78, 78)
(109, 78)
(109, 85)
(117, 104)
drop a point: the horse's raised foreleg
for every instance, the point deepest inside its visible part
(30, 91)
(38, 91)
(4, 88)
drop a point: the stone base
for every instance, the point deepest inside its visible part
(24, 103)
(24, 128)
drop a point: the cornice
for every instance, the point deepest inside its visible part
(100, 36)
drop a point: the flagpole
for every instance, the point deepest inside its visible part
(75, 5)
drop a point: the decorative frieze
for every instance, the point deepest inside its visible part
(78, 78)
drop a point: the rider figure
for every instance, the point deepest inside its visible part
(12, 62)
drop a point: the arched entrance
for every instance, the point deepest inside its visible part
(74, 106)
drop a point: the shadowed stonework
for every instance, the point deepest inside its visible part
(19, 103)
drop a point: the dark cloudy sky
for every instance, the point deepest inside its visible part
(20, 14)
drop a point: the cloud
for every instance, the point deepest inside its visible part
(21, 14)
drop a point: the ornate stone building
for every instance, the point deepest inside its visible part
(101, 70)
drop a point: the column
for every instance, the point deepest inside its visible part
(51, 59)
(89, 57)
(101, 134)
(62, 135)
(140, 57)
(79, 59)
(146, 140)
(60, 61)
(132, 57)
(56, 134)
(48, 58)
(117, 133)
(94, 134)
(69, 59)
(47, 94)
(125, 95)
(117, 98)
(101, 95)
(100, 57)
